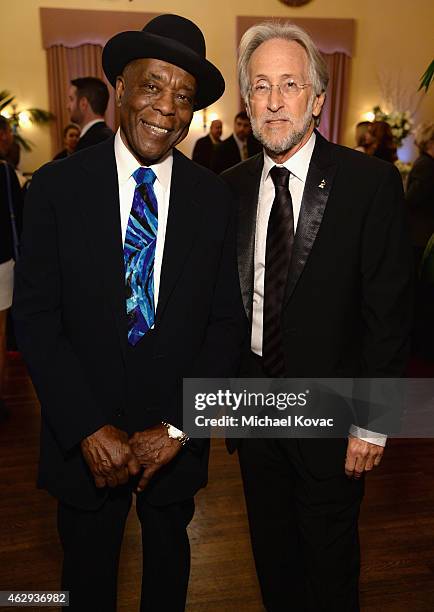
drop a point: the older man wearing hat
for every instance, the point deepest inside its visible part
(128, 283)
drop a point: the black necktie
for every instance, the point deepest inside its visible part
(280, 240)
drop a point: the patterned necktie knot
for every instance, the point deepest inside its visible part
(280, 177)
(144, 175)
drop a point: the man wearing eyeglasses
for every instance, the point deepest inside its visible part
(325, 270)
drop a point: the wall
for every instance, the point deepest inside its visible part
(392, 37)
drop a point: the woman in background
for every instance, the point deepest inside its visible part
(71, 134)
(382, 144)
(363, 138)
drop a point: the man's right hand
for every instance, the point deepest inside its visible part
(109, 456)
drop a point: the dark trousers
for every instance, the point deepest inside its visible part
(303, 525)
(92, 541)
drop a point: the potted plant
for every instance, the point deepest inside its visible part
(17, 117)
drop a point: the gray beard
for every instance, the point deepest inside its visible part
(287, 142)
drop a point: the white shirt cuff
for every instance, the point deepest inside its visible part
(368, 436)
(176, 431)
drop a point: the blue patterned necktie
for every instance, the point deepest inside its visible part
(139, 256)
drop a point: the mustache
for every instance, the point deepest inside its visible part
(277, 117)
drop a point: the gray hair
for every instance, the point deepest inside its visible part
(268, 30)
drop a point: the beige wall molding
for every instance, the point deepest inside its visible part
(73, 27)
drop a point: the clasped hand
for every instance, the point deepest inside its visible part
(113, 459)
(361, 457)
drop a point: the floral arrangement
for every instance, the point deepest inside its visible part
(400, 123)
(403, 167)
(404, 170)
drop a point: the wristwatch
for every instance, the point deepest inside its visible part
(175, 433)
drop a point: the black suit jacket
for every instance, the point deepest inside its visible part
(204, 150)
(97, 133)
(6, 233)
(69, 309)
(228, 153)
(420, 198)
(348, 305)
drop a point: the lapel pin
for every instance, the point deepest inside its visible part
(322, 184)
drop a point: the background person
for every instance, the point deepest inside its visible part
(420, 201)
(382, 145)
(205, 147)
(71, 135)
(10, 229)
(362, 136)
(420, 189)
(87, 103)
(237, 147)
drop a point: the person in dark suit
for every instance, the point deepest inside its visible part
(87, 103)
(325, 271)
(11, 204)
(420, 190)
(128, 283)
(205, 147)
(420, 202)
(239, 146)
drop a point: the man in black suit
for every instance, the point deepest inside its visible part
(87, 103)
(238, 147)
(205, 147)
(420, 190)
(11, 204)
(128, 283)
(325, 271)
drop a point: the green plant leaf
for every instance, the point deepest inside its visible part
(427, 77)
(4, 94)
(5, 100)
(37, 115)
(40, 116)
(25, 144)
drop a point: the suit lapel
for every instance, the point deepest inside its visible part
(101, 211)
(182, 226)
(248, 206)
(317, 189)
(236, 155)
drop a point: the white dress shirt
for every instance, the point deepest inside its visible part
(127, 164)
(87, 127)
(298, 165)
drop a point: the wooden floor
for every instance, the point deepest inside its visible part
(396, 527)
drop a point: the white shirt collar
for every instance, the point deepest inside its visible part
(298, 164)
(87, 127)
(127, 164)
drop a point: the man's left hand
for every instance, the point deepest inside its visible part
(153, 449)
(361, 457)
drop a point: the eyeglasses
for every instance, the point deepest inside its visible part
(288, 89)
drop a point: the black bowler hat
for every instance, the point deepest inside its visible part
(173, 39)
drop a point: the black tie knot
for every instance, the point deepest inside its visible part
(280, 177)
